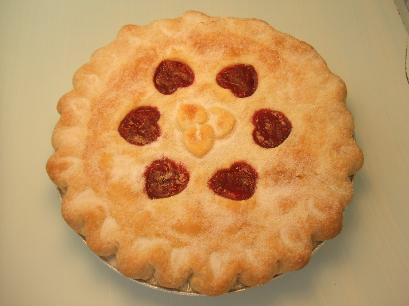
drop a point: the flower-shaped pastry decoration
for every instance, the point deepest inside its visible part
(199, 134)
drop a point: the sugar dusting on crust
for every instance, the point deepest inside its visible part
(125, 170)
(109, 228)
(196, 236)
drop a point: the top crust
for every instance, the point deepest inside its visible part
(197, 237)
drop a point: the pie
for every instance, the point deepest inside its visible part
(205, 153)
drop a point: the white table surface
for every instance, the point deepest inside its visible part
(43, 262)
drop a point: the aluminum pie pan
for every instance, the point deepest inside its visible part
(185, 290)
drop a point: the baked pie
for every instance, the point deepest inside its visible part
(204, 153)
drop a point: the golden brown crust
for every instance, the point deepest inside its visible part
(196, 236)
